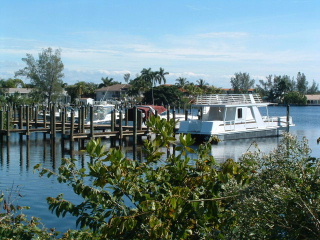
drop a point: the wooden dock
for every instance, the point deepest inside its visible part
(26, 120)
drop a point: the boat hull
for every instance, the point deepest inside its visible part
(257, 133)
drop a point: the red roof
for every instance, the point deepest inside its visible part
(149, 109)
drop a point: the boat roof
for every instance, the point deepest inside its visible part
(102, 104)
(152, 108)
(229, 100)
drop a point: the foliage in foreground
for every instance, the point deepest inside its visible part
(173, 197)
(187, 194)
(282, 201)
(16, 225)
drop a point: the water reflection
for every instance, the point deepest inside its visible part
(236, 148)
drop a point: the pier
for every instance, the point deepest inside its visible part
(52, 120)
(27, 120)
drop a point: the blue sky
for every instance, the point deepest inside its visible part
(206, 39)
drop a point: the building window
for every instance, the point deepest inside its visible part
(239, 112)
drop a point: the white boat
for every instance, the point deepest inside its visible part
(233, 116)
(102, 113)
(178, 116)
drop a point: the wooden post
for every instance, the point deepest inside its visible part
(35, 116)
(288, 118)
(126, 117)
(113, 112)
(23, 112)
(1, 119)
(83, 118)
(53, 121)
(27, 120)
(14, 112)
(32, 116)
(65, 114)
(79, 118)
(8, 122)
(72, 126)
(186, 115)
(135, 121)
(63, 127)
(20, 118)
(139, 119)
(91, 123)
(174, 118)
(134, 153)
(115, 118)
(44, 117)
(168, 112)
(120, 125)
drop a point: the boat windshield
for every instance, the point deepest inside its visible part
(102, 112)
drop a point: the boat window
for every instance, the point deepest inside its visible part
(239, 112)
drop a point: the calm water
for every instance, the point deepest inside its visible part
(18, 155)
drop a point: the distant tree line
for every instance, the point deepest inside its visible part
(46, 73)
(279, 89)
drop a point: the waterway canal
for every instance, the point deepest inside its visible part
(18, 155)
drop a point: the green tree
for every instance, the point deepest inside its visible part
(81, 89)
(138, 87)
(181, 82)
(202, 83)
(193, 90)
(151, 78)
(213, 90)
(108, 82)
(282, 200)
(11, 83)
(241, 82)
(314, 88)
(283, 85)
(266, 88)
(302, 83)
(295, 98)
(160, 76)
(126, 77)
(167, 95)
(14, 224)
(46, 73)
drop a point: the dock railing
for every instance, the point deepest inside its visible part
(211, 99)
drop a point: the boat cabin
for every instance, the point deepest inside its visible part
(232, 114)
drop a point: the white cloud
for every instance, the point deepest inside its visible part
(220, 35)
(189, 75)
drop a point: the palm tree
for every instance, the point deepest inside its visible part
(106, 82)
(160, 76)
(126, 77)
(80, 88)
(153, 77)
(202, 83)
(148, 76)
(181, 82)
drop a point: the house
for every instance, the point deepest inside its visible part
(24, 92)
(113, 92)
(313, 99)
(12, 91)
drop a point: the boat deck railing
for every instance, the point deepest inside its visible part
(211, 99)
